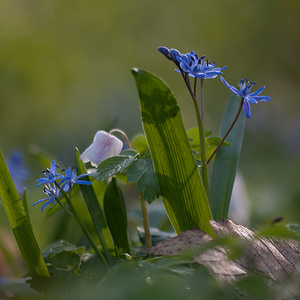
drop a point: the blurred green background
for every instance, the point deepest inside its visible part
(65, 73)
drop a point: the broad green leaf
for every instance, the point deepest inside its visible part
(20, 224)
(63, 256)
(116, 216)
(142, 172)
(226, 161)
(61, 246)
(177, 173)
(115, 164)
(95, 210)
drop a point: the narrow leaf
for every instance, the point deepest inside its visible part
(20, 224)
(116, 216)
(95, 210)
(175, 166)
(226, 161)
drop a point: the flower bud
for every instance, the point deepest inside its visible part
(104, 146)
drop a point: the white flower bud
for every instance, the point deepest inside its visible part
(104, 146)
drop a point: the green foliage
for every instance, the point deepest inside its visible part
(139, 143)
(72, 270)
(63, 257)
(142, 172)
(211, 142)
(176, 170)
(116, 216)
(116, 164)
(226, 161)
(20, 223)
(95, 210)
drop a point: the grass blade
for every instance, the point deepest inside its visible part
(20, 224)
(226, 161)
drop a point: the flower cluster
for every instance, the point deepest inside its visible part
(56, 182)
(190, 64)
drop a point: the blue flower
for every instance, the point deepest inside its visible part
(170, 54)
(197, 67)
(191, 64)
(17, 169)
(50, 190)
(50, 174)
(70, 179)
(244, 92)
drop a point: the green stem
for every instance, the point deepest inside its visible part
(201, 128)
(202, 100)
(226, 134)
(83, 228)
(146, 223)
(200, 119)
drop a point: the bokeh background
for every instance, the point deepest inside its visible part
(65, 73)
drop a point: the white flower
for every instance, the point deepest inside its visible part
(104, 146)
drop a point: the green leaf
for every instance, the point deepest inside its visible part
(139, 143)
(226, 161)
(61, 246)
(211, 142)
(116, 216)
(63, 256)
(115, 164)
(95, 210)
(177, 173)
(20, 224)
(142, 172)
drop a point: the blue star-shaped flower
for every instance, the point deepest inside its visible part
(197, 67)
(50, 190)
(191, 64)
(244, 92)
(50, 174)
(70, 179)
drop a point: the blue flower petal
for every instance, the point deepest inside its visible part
(232, 88)
(84, 182)
(263, 98)
(251, 99)
(257, 92)
(246, 108)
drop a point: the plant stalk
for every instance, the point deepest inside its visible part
(201, 128)
(146, 222)
(227, 133)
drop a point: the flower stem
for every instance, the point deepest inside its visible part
(201, 128)
(202, 140)
(121, 133)
(146, 223)
(83, 228)
(202, 102)
(226, 134)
